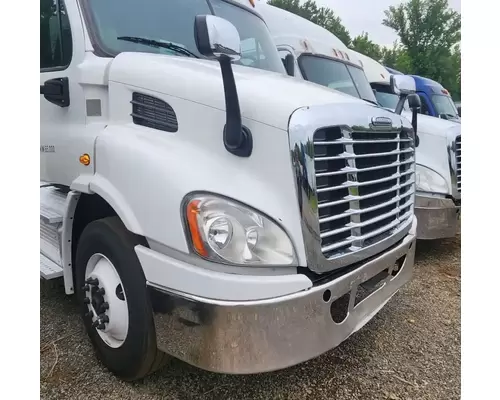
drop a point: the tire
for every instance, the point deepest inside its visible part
(137, 356)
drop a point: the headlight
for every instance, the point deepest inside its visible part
(428, 180)
(224, 231)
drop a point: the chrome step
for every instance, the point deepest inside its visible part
(49, 269)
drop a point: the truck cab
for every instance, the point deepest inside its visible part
(199, 202)
(436, 100)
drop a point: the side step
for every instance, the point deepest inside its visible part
(52, 209)
(49, 269)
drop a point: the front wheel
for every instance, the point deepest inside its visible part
(115, 306)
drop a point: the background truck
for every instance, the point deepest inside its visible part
(436, 100)
(202, 204)
(439, 161)
(312, 53)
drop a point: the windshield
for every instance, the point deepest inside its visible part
(444, 105)
(336, 75)
(386, 98)
(173, 21)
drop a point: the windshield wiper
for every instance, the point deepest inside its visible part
(157, 44)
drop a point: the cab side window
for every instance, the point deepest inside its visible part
(55, 35)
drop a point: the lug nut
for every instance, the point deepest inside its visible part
(86, 288)
(101, 327)
(92, 281)
(86, 300)
(96, 323)
(101, 291)
(89, 314)
(105, 306)
(104, 318)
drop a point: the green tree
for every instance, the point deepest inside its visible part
(364, 45)
(322, 16)
(427, 29)
(397, 58)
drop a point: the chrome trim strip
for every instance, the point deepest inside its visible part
(452, 163)
(349, 117)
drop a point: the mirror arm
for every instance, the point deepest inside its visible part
(237, 138)
(401, 103)
(414, 114)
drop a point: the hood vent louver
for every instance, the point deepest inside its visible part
(153, 113)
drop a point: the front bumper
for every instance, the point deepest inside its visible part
(437, 217)
(247, 337)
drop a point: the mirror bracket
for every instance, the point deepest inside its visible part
(218, 39)
(56, 91)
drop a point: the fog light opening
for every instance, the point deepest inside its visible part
(340, 308)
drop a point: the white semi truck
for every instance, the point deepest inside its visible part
(310, 52)
(202, 204)
(439, 160)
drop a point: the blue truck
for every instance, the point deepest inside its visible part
(436, 100)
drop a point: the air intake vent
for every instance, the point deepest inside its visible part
(153, 113)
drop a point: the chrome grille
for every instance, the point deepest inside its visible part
(458, 155)
(365, 186)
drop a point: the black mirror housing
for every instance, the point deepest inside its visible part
(414, 101)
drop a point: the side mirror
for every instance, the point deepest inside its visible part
(414, 101)
(443, 116)
(459, 109)
(402, 84)
(289, 63)
(216, 37)
(219, 39)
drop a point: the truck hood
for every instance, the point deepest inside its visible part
(264, 96)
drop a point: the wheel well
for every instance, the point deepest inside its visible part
(88, 209)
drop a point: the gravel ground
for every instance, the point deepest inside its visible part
(410, 350)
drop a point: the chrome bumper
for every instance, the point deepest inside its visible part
(437, 217)
(266, 335)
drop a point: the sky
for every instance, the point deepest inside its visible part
(367, 15)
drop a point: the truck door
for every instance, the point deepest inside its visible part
(62, 111)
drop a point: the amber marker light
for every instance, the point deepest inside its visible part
(85, 159)
(192, 212)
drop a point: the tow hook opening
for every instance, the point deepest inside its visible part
(339, 308)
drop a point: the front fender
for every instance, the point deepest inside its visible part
(145, 174)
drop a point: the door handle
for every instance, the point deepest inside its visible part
(56, 91)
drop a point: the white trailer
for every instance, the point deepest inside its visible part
(178, 200)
